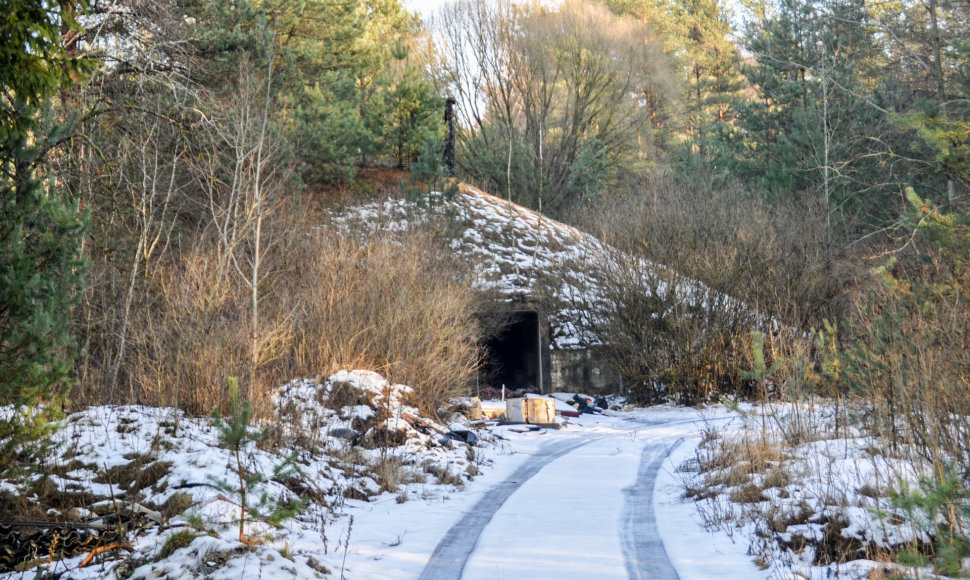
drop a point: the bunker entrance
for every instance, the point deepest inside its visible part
(513, 356)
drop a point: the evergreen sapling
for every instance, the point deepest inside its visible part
(236, 434)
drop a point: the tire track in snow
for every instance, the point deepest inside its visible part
(453, 551)
(643, 549)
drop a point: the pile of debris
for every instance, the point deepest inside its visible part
(587, 405)
(364, 409)
(28, 544)
(543, 410)
(25, 545)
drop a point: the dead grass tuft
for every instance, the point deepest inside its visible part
(443, 475)
(142, 471)
(175, 504)
(733, 462)
(748, 494)
(778, 477)
(388, 473)
(393, 306)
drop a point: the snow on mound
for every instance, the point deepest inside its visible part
(517, 249)
(512, 246)
(512, 243)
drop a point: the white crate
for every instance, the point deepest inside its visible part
(535, 410)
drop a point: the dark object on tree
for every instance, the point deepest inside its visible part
(449, 155)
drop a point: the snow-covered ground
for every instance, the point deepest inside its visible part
(578, 502)
(601, 497)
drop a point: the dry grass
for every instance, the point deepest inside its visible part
(732, 463)
(776, 477)
(443, 475)
(392, 472)
(327, 302)
(390, 305)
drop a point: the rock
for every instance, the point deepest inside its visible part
(343, 433)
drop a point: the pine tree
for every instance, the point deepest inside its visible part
(236, 434)
(413, 110)
(814, 127)
(429, 177)
(40, 272)
(936, 39)
(711, 67)
(40, 229)
(696, 36)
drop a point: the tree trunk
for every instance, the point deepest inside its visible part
(940, 85)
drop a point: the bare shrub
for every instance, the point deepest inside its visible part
(909, 356)
(391, 305)
(204, 192)
(669, 336)
(727, 263)
(779, 259)
(192, 338)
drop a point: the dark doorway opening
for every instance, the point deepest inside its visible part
(513, 355)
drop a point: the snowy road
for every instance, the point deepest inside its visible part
(580, 507)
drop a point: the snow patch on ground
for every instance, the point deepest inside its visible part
(694, 551)
(159, 458)
(810, 496)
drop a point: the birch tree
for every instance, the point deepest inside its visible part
(243, 175)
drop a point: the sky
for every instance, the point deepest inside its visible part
(427, 7)
(424, 7)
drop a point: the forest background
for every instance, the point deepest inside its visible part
(166, 165)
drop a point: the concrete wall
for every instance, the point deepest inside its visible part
(583, 371)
